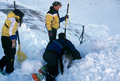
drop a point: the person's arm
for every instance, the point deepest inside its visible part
(76, 55)
(12, 31)
(71, 48)
(63, 18)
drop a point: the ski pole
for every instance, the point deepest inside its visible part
(81, 36)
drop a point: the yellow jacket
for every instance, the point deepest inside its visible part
(10, 27)
(52, 19)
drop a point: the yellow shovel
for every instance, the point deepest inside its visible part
(21, 55)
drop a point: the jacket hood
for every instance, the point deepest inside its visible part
(11, 14)
(51, 8)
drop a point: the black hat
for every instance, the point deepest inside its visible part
(19, 13)
(61, 35)
(56, 3)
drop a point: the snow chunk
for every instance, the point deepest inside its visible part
(30, 66)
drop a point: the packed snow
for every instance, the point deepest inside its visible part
(100, 50)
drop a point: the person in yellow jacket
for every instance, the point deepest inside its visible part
(8, 39)
(53, 20)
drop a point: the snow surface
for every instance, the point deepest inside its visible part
(100, 51)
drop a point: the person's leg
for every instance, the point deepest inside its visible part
(10, 61)
(13, 57)
(53, 37)
(9, 54)
(53, 70)
(52, 62)
(2, 62)
(61, 65)
(54, 31)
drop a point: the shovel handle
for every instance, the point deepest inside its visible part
(18, 37)
(67, 8)
(14, 5)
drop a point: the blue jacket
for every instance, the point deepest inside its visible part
(60, 45)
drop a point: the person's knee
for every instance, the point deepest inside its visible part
(50, 58)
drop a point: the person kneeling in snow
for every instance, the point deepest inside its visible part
(8, 39)
(54, 51)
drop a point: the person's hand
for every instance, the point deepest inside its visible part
(14, 44)
(66, 16)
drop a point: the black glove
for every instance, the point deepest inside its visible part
(66, 16)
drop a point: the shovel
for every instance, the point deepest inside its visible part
(21, 55)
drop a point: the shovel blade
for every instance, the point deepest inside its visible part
(21, 56)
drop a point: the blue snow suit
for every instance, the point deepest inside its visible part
(55, 50)
(57, 46)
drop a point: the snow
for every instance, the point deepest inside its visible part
(100, 51)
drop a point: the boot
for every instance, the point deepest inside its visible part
(50, 78)
(1, 71)
(37, 76)
(44, 69)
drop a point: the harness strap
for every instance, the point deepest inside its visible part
(6, 25)
(58, 44)
(61, 42)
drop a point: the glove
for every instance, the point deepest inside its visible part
(50, 33)
(66, 16)
(14, 44)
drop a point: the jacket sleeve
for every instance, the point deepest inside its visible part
(70, 47)
(48, 21)
(62, 19)
(13, 28)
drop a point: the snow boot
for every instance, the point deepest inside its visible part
(44, 69)
(50, 78)
(37, 76)
(42, 73)
(1, 72)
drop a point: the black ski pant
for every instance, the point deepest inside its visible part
(8, 59)
(52, 61)
(53, 37)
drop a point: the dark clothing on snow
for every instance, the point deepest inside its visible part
(55, 50)
(8, 59)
